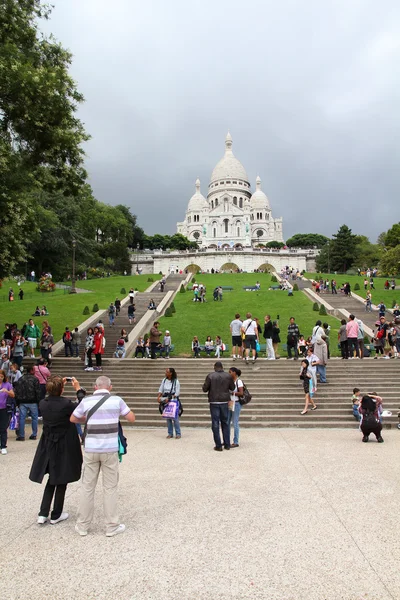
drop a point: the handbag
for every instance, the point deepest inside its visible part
(92, 411)
(171, 410)
(258, 347)
(14, 422)
(244, 332)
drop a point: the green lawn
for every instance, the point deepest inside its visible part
(213, 318)
(378, 294)
(65, 310)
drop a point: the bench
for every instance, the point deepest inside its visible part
(161, 348)
(212, 350)
(251, 288)
(226, 288)
(275, 287)
(263, 347)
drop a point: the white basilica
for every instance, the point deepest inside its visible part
(230, 216)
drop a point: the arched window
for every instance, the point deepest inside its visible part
(240, 202)
(214, 232)
(266, 216)
(238, 228)
(216, 201)
(212, 204)
(235, 200)
(226, 225)
(225, 204)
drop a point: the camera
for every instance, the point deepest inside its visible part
(68, 379)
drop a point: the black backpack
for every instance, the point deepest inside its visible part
(246, 398)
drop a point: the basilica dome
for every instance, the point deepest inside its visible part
(229, 167)
(259, 199)
(197, 202)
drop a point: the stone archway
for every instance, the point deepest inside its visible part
(266, 268)
(228, 267)
(192, 268)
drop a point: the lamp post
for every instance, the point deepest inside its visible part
(329, 261)
(73, 288)
(137, 257)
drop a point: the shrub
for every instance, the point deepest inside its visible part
(150, 279)
(315, 306)
(295, 287)
(322, 310)
(95, 307)
(123, 291)
(168, 312)
(193, 280)
(172, 307)
(274, 279)
(182, 290)
(136, 290)
(394, 303)
(86, 311)
(146, 337)
(356, 287)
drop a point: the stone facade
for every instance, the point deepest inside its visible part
(231, 216)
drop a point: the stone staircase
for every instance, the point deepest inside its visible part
(277, 392)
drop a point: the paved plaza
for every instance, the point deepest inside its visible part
(290, 515)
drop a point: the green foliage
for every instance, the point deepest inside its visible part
(165, 242)
(366, 254)
(274, 279)
(307, 240)
(86, 311)
(168, 312)
(322, 310)
(392, 238)
(356, 287)
(394, 302)
(295, 287)
(274, 244)
(340, 254)
(316, 306)
(182, 289)
(146, 337)
(193, 280)
(95, 307)
(150, 279)
(172, 307)
(123, 291)
(390, 262)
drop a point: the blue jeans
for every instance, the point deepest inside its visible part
(220, 418)
(321, 370)
(33, 410)
(75, 350)
(234, 418)
(356, 414)
(111, 319)
(171, 423)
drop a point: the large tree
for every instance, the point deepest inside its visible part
(392, 237)
(307, 240)
(390, 262)
(40, 136)
(340, 253)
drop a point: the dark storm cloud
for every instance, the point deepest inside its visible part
(309, 91)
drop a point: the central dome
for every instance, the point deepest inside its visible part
(229, 167)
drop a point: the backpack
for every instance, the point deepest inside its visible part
(246, 398)
(380, 334)
(369, 419)
(68, 336)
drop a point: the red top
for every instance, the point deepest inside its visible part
(98, 342)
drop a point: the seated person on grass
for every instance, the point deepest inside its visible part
(209, 345)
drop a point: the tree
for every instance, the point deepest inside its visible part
(274, 244)
(392, 238)
(390, 262)
(381, 239)
(342, 250)
(366, 254)
(307, 240)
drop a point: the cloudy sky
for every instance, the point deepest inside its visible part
(310, 92)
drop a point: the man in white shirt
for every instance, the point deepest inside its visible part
(236, 333)
(250, 330)
(100, 454)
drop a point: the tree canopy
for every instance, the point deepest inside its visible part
(307, 240)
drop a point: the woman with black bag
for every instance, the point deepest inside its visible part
(59, 450)
(169, 391)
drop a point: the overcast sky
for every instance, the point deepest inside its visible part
(309, 91)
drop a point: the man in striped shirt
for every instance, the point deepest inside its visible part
(101, 454)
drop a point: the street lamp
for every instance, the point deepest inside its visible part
(329, 261)
(137, 257)
(73, 288)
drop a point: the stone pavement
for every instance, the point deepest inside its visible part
(290, 515)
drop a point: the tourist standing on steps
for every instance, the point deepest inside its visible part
(131, 295)
(268, 337)
(236, 333)
(235, 397)
(155, 335)
(276, 340)
(250, 332)
(352, 337)
(6, 399)
(117, 306)
(111, 314)
(169, 391)
(219, 386)
(342, 339)
(100, 454)
(76, 342)
(59, 450)
(293, 334)
(307, 378)
(89, 347)
(131, 313)
(32, 334)
(321, 352)
(99, 343)
(42, 373)
(27, 398)
(67, 341)
(166, 345)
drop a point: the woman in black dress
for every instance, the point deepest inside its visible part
(59, 450)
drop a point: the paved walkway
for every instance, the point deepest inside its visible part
(290, 515)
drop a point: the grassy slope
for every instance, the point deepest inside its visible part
(213, 318)
(378, 295)
(65, 309)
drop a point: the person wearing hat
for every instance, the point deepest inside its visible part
(166, 345)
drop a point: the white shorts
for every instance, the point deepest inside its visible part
(32, 342)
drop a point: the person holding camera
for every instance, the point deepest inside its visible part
(169, 391)
(59, 450)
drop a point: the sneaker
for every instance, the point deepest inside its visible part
(32, 437)
(90, 369)
(4, 450)
(62, 517)
(42, 520)
(120, 529)
(82, 533)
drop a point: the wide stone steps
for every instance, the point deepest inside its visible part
(278, 397)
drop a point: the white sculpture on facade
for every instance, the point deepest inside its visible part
(230, 215)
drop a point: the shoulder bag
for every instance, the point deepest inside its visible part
(92, 411)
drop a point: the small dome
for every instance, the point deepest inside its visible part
(197, 202)
(229, 167)
(259, 199)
